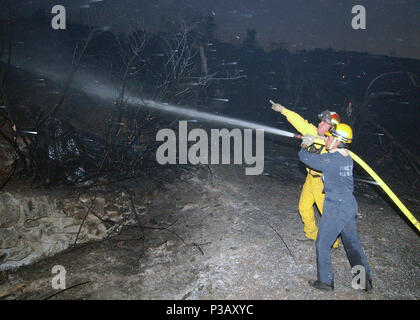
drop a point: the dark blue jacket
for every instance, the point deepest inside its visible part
(337, 171)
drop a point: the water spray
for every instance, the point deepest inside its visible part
(209, 117)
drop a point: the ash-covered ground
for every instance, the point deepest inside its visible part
(216, 233)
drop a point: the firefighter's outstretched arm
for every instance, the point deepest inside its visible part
(300, 124)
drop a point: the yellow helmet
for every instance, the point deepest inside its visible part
(342, 132)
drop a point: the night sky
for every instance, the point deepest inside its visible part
(392, 26)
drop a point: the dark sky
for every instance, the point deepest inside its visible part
(392, 26)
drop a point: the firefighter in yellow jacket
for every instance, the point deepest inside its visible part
(313, 186)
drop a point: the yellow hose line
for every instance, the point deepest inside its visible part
(388, 191)
(383, 185)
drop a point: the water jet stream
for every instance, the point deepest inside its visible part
(209, 117)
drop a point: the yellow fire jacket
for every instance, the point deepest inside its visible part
(304, 127)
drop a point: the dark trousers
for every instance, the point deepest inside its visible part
(339, 217)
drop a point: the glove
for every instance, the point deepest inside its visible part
(307, 140)
(276, 106)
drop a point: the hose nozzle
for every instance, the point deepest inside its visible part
(317, 141)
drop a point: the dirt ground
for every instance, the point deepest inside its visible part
(216, 233)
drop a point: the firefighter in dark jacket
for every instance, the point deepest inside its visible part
(340, 206)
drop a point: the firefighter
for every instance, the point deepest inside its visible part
(340, 205)
(312, 190)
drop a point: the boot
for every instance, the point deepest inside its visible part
(321, 286)
(369, 286)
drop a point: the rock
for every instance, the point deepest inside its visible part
(8, 238)
(9, 210)
(34, 235)
(71, 229)
(85, 198)
(190, 206)
(35, 208)
(18, 254)
(53, 244)
(58, 223)
(31, 223)
(40, 226)
(3, 256)
(110, 207)
(99, 205)
(76, 211)
(113, 216)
